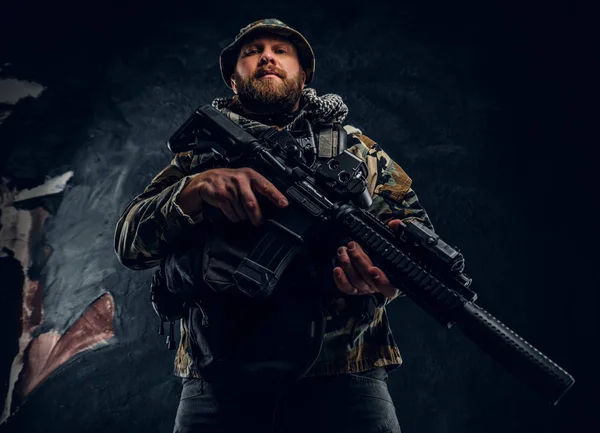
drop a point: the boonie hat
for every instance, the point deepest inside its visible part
(229, 55)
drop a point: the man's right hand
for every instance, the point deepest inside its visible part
(232, 190)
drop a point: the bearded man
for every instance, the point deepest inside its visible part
(250, 365)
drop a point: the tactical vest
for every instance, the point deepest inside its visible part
(221, 318)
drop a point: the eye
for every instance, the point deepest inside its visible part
(251, 51)
(281, 51)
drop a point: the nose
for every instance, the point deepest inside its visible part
(267, 57)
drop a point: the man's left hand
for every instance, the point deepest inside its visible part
(356, 274)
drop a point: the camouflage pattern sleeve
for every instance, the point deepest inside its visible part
(153, 222)
(388, 184)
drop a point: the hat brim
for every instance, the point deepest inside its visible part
(229, 55)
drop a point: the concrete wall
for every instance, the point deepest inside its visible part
(476, 102)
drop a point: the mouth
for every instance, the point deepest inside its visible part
(269, 74)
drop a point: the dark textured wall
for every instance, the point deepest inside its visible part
(474, 101)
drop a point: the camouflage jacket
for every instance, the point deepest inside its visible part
(153, 223)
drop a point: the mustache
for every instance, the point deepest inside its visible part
(265, 71)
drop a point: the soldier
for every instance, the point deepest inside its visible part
(235, 353)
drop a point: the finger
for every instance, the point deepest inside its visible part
(239, 210)
(362, 263)
(262, 186)
(342, 283)
(382, 282)
(227, 209)
(236, 205)
(250, 204)
(394, 224)
(353, 276)
(217, 195)
(375, 277)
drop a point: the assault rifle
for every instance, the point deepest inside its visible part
(330, 198)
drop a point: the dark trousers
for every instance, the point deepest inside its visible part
(345, 403)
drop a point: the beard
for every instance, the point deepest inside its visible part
(270, 95)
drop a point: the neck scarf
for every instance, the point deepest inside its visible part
(328, 108)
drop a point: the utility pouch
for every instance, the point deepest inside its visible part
(167, 306)
(225, 248)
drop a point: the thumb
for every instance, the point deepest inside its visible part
(394, 224)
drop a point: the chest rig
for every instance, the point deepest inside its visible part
(323, 141)
(258, 272)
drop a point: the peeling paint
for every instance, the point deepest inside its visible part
(13, 90)
(18, 229)
(50, 187)
(51, 349)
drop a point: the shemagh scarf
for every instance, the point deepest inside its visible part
(329, 108)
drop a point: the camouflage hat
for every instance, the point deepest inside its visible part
(229, 55)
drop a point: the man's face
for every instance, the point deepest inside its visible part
(268, 77)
